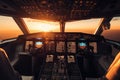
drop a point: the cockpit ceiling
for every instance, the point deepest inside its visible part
(57, 10)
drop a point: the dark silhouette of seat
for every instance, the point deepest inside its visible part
(113, 72)
(6, 70)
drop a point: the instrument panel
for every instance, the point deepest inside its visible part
(62, 42)
(62, 51)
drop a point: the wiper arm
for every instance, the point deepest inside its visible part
(105, 24)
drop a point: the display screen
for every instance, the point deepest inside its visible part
(38, 44)
(71, 59)
(93, 47)
(49, 58)
(50, 46)
(60, 46)
(82, 45)
(71, 47)
(28, 46)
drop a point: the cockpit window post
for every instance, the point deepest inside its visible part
(21, 25)
(62, 26)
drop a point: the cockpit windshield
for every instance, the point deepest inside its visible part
(8, 28)
(85, 26)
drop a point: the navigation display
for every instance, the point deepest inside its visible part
(38, 44)
(50, 47)
(82, 45)
(71, 47)
(60, 47)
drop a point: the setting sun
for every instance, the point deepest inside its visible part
(46, 28)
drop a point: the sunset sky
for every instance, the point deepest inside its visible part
(89, 26)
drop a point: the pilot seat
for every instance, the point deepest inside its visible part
(6, 70)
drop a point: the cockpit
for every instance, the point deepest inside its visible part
(62, 56)
(59, 39)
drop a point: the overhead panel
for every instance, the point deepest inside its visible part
(65, 10)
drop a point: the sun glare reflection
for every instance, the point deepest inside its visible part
(41, 26)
